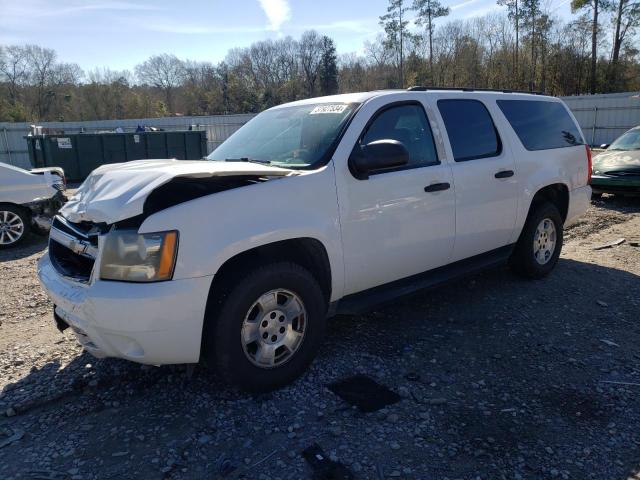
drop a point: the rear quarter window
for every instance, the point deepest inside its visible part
(541, 125)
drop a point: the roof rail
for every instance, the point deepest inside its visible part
(420, 88)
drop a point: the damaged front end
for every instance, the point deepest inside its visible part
(184, 189)
(120, 198)
(43, 211)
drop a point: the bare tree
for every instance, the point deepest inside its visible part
(14, 69)
(626, 18)
(310, 53)
(165, 72)
(514, 12)
(41, 72)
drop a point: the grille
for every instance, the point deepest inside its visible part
(71, 249)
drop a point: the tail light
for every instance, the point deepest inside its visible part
(589, 165)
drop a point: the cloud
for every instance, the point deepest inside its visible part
(195, 29)
(38, 8)
(462, 4)
(277, 11)
(353, 26)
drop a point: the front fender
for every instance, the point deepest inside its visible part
(217, 227)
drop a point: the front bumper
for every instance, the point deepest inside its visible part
(150, 323)
(610, 184)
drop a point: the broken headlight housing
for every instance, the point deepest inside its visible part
(132, 257)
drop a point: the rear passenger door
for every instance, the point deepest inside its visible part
(485, 177)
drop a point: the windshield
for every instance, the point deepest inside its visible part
(293, 137)
(628, 141)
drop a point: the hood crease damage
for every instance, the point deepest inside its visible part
(137, 189)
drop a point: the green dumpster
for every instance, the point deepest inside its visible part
(79, 154)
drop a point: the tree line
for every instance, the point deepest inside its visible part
(523, 47)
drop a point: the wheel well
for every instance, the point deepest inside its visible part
(306, 252)
(558, 194)
(22, 208)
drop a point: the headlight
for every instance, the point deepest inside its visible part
(129, 256)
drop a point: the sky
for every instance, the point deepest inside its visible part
(119, 34)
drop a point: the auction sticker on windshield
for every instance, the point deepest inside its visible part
(328, 109)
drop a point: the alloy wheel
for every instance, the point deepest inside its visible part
(11, 227)
(274, 328)
(544, 241)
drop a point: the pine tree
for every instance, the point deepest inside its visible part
(395, 26)
(596, 7)
(427, 11)
(328, 67)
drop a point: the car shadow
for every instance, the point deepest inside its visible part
(32, 244)
(521, 368)
(619, 203)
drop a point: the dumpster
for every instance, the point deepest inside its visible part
(80, 153)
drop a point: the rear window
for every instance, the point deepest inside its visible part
(541, 125)
(470, 129)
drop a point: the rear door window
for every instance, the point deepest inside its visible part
(541, 125)
(470, 129)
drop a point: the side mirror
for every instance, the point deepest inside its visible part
(604, 146)
(377, 156)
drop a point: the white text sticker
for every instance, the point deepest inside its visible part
(64, 142)
(328, 109)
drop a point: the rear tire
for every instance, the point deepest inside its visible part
(14, 226)
(540, 242)
(268, 328)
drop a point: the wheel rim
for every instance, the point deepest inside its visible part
(11, 227)
(544, 241)
(273, 329)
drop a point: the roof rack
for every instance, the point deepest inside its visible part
(420, 88)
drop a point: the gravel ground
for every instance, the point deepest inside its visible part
(500, 378)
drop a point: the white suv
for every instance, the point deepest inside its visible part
(317, 207)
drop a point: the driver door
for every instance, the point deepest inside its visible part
(395, 223)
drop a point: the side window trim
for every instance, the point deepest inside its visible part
(383, 109)
(500, 146)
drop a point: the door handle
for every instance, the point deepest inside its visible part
(437, 187)
(504, 174)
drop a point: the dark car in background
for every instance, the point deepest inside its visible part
(617, 169)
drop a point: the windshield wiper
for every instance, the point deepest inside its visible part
(247, 159)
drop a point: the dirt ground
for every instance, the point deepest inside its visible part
(500, 378)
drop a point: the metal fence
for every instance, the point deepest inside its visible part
(13, 146)
(602, 118)
(605, 117)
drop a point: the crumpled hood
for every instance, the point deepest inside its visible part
(118, 191)
(617, 161)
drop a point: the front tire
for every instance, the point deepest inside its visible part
(540, 242)
(268, 328)
(14, 226)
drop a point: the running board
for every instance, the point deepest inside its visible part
(361, 302)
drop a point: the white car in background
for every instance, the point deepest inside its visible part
(28, 201)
